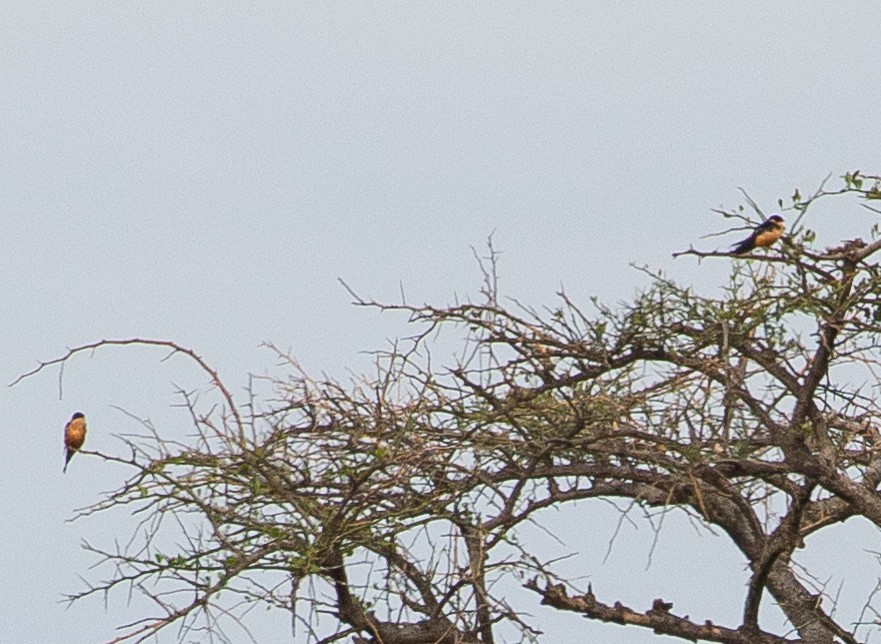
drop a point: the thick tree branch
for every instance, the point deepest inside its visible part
(658, 618)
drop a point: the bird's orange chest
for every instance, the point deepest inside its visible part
(768, 237)
(75, 433)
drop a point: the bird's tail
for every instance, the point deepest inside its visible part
(67, 461)
(742, 248)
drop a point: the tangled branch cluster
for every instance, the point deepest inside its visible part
(394, 504)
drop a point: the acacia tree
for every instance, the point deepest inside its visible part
(394, 504)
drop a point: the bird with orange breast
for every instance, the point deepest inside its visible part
(74, 436)
(763, 235)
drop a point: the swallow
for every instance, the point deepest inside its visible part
(74, 436)
(763, 236)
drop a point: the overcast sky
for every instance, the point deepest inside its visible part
(204, 172)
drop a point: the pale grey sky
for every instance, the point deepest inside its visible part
(204, 172)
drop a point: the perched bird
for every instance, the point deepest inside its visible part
(74, 436)
(764, 235)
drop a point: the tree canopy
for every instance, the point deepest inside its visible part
(393, 505)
